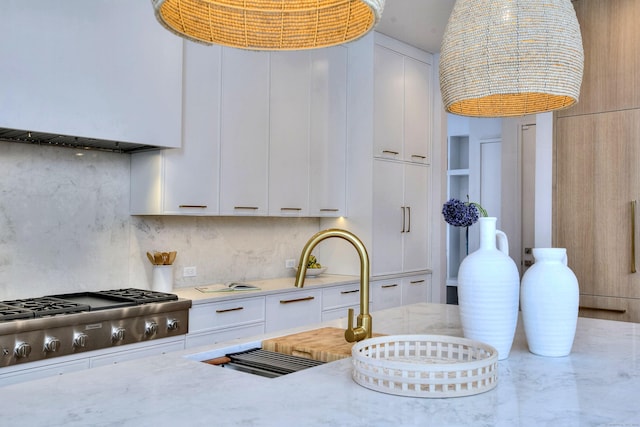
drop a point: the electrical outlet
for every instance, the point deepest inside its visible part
(189, 272)
(290, 263)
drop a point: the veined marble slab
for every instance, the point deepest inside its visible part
(597, 385)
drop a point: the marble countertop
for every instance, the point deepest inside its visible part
(597, 385)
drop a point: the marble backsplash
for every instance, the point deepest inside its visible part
(65, 227)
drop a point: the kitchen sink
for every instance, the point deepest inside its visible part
(264, 363)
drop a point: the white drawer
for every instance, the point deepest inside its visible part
(342, 312)
(224, 314)
(292, 309)
(386, 294)
(340, 296)
(416, 289)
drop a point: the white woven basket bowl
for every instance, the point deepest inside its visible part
(432, 366)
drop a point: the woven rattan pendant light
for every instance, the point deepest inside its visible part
(269, 24)
(502, 58)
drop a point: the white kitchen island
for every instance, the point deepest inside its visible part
(597, 385)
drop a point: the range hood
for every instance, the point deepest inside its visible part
(57, 140)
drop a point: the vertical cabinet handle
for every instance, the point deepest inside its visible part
(403, 218)
(633, 236)
(409, 222)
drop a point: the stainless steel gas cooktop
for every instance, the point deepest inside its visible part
(41, 328)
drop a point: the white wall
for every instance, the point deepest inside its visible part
(65, 227)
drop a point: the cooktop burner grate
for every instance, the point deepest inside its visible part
(8, 312)
(47, 306)
(140, 296)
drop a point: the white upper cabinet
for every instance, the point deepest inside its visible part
(184, 181)
(328, 136)
(402, 102)
(244, 141)
(289, 134)
(102, 69)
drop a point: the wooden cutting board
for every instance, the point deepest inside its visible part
(324, 344)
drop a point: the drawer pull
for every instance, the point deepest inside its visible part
(288, 301)
(193, 206)
(329, 210)
(290, 209)
(613, 310)
(418, 156)
(353, 291)
(389, 286)
(416, 282)
(390, 152)
(226, 310)
(253, 208)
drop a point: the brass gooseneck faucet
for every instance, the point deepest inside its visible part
(363, 327)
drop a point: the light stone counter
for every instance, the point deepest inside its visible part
(267, 286)
(597, 385)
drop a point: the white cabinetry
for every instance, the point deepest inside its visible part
(221, 321)
(244, 140)
(102, 69)
(293, 309)
(416, 289)
(185, 180)
(140, 351)
(289, 133)
(402, 103)
(386, 293)
(400, 217)
(337, 300)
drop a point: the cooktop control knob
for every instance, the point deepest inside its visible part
(150, 328)
(173, 324)
(22, 350)
(51, 345)
(80, 340)
(117, 334)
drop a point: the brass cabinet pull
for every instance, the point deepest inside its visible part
(418, 156)
(226, 310)
(403, 218)
(288, 301)
(246, 207)
(409, 222)
(612, 310)
(290, 209)
(633, 236)
(390, 152)
(389, 286)
(193, 206)
(329, 210)
(416, 282)
(353, 291)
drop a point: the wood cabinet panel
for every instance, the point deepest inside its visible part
(611, 42)
(597, 177)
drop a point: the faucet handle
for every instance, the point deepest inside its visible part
(352, 334)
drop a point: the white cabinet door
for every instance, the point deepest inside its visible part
(388, 107)
(244, 141)
(289, 134)
(402, 106)
(328, 133)
(103, 69)
(417, 111)
(416, 203)
(400, 217)
(191, 172)
(184, 180)
(389, 216)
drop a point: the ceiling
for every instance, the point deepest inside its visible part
(420, 23)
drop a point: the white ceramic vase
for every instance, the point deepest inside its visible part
(549, 302)
(488, 290)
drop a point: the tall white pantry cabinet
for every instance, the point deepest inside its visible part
(389, 172)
